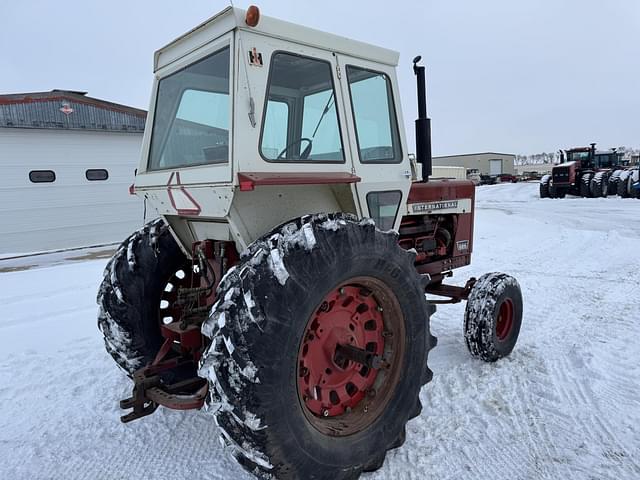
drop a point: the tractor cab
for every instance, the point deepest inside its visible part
(582, 155)
(607, 159)
(589, 158)
(255, 121)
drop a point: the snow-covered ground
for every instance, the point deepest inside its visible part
(565, 405)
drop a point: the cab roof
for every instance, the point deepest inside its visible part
(231, 19)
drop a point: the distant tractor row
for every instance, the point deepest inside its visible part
(587, 172)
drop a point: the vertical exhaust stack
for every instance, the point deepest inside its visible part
(423, 124)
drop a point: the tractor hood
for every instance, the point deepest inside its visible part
(566, 164)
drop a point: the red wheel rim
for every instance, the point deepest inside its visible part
(363, 314)
(504, 323)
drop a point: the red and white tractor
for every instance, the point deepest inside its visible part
(586, 172)
(283, 284)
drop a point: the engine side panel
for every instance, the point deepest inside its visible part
(438, 224)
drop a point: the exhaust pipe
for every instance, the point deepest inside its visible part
(423, 124)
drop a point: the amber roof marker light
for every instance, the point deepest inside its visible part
(253, 16)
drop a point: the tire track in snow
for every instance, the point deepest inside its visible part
(574, 378)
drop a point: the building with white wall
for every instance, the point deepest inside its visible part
(538, 168)
(67, 161)
(488, 163)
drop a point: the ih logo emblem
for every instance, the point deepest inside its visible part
(255, 58)
(66, 109)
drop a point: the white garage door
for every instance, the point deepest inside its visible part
(495, 167)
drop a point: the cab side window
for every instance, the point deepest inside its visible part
(300, 121)
(191, 119)
(374, 116)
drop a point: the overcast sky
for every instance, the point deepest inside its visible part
(503, 75)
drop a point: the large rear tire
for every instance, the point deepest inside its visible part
(493, 316)
(599, 185)
(585, 183)
(623, 184)
(612, 187)
(133, 297)
(634, 183)
(273, 370)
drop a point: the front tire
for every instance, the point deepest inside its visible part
(267, 392)
(544, 186)
(493, 316)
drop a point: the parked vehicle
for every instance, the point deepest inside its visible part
(488, 179)
(585, 172)
(506, 177)
(473, 174)
(306, 333)
(530, 176)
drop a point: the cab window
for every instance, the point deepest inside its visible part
(374, 116)
(191, 118)
(383, 207)
(300, 122)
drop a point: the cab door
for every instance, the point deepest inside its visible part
(377, 138)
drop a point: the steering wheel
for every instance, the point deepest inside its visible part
(305, 153)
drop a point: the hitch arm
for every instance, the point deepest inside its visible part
(455, 294)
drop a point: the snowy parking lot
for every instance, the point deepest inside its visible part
(564, 405)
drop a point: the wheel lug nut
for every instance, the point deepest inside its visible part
(347, 410)
(325, 413)
(379, 308)
(341, 290)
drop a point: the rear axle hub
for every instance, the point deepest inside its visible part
(336, 362)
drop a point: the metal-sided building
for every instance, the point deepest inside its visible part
(67, 161)
(489, 163)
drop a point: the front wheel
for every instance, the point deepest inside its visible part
(544, 186)
(319, 350)
(493, 316)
